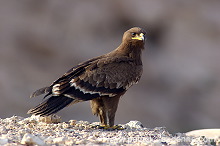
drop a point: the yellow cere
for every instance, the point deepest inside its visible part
(139, 37)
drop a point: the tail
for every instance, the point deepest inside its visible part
(51, 105)
(42, 91)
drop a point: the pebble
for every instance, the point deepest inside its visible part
(133, 125)
(3, 140)
(50, 119)
(72, 122)
(3, 129)
(30, 139)
(60, 140)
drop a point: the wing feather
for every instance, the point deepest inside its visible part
(101, 76)
(41, 91)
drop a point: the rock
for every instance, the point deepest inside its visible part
(14, 119)
(31, 119)
(208, 133)
(133, 125)
(59, 140)
(49, 140)
(45, 119)
(30, 139)
(95, 123)
(81, 142)
(3, 140)
(3, 129)
(69, 142)
(50, 119)
(72, 122)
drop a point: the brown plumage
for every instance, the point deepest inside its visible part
(102, 80)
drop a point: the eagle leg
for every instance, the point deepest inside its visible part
(98, 109)
(111, 105)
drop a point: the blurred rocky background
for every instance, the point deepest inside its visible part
(180, 86)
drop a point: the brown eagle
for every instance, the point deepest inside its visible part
(102, 80)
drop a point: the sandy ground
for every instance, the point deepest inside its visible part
(51, 131)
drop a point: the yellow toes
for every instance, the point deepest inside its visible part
(107, 127)
(117, 127)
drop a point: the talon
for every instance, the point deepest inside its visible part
(100, 126)
(117, 127)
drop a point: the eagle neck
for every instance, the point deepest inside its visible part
(132, 51)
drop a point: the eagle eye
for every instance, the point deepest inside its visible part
(133, 34)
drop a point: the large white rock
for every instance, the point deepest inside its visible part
(208, 133)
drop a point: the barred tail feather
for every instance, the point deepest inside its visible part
(51, 105)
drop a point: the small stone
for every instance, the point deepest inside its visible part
(72, 122)
(95, 123)
(69, 142)
(3, 129)
(23, 131)
(49, 140)
(14, 119)
(59, 140)
(65, 125)
(30, 139)
(50, 119)
(198, 141)
(133, 125)
(82, 123)
(3, 140)
(81, 142)
(217, 141)
(28, 120)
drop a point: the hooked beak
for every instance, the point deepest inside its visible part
(139, 37)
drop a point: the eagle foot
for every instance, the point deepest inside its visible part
(108, 128)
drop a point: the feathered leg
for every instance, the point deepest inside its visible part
(98, 109)
(111, 105)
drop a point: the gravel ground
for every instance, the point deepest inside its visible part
(37, 130)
